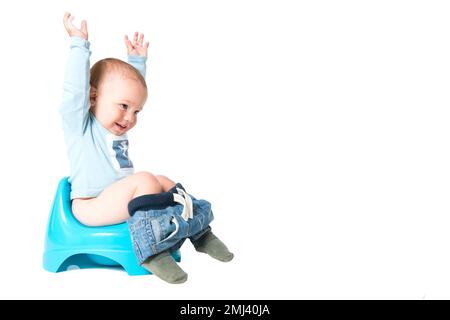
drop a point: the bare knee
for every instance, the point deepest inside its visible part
(147, 183)
(162, 179)
(144, 175)
(165, 182)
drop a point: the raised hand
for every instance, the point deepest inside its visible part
(72, 30)
(137, 47)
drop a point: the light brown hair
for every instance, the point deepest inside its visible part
(102, 67)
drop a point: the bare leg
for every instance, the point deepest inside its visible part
(165, 182)
(111, 206)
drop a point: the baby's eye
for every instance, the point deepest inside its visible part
(124, 106)
(136, 112)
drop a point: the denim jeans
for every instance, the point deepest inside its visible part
(157, 224)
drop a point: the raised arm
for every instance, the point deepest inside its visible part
(75, 103)
(137, 52)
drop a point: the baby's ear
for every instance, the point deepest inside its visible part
(93, 95)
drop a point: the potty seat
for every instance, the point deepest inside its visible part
(72, 245)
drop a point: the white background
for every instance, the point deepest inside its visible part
(318, 129)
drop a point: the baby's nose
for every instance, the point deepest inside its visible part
(128, 116)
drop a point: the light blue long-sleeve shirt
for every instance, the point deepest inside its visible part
(97, 157)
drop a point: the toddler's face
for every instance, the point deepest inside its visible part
(117, 101)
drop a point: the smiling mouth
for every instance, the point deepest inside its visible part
(120, 126)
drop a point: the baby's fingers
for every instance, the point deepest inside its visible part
(128, 43)
(84, 26)
(68, 20)
(70, 23)
(66, 16)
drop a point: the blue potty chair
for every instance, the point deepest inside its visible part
(72, 245)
